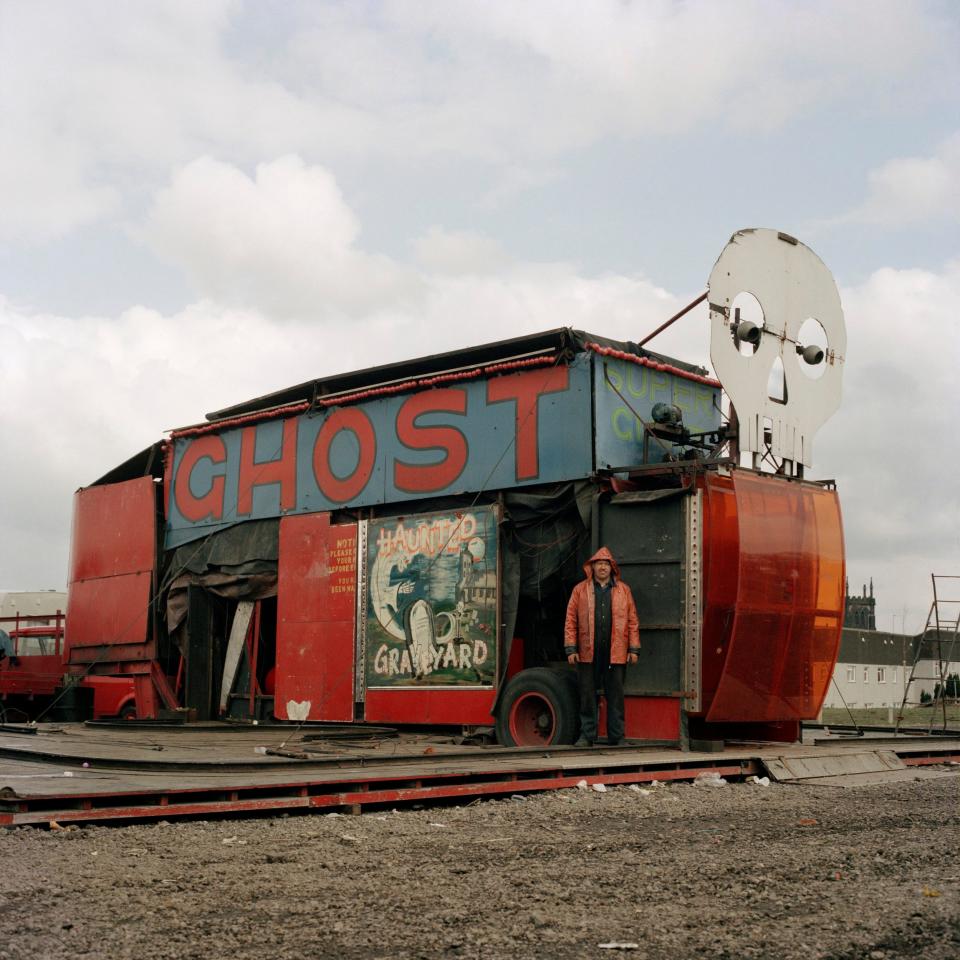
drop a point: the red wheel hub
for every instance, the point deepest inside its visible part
(533, 720)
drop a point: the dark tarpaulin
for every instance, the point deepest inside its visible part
(649, 496)
(239, 563)
(233, 547)
(543, 532)
(545, 527)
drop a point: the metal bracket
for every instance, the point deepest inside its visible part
(359, 673)
(693, 610)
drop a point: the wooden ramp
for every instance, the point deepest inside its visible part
(92, 773)
(851, 768)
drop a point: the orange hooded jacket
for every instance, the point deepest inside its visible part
(624, 628)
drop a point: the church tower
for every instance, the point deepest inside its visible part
(860, 612)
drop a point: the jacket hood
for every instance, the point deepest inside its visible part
(602, 554)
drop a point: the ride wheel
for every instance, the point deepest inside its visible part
(538, 708)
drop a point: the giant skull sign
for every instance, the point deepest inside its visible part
(796, 293)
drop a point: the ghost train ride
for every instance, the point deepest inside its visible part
(397, 545)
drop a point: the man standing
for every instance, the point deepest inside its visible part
(601, 636)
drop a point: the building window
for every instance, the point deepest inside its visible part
(866, 674)
(851, 674)
(881, 675)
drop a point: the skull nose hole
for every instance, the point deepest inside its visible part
(777, 382)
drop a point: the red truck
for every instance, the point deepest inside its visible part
(34, 681)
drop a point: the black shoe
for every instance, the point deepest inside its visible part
(583, 742)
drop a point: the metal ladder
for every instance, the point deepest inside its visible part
(935, 647)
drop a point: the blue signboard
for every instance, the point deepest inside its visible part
(518, 429)
(625, 395)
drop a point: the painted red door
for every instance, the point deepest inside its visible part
(316, 619)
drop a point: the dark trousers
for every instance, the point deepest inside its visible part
(591, 677)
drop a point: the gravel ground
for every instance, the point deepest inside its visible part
(680, 871)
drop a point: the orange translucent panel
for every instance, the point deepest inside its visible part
(774, 604)
(721, 546)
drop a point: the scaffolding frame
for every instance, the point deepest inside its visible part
(939, 640)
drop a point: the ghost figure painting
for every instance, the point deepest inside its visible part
(432, 599)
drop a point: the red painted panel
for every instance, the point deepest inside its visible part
(109, 613)
(651, 718)
(112, 555)
(786, 626)
(36, 674)
(316, 616)
(412, 705)
(114, 530)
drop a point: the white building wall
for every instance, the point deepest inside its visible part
(867, 685)
(31, 603)
(864, 685)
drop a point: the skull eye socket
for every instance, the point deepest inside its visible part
(812, 345)
(746, 323)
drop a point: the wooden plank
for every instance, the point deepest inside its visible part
(34, 787)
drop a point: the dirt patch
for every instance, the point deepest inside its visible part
(681, 871)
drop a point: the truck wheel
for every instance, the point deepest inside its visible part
(538, 708)
(129, 712)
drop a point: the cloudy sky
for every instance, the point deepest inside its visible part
(204, 201)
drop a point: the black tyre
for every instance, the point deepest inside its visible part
(538, 708)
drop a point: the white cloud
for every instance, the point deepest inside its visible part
(282, 242)
(100, 99)
(457, 251)
(890, 446)
(538, 78)
(44, 193)
(910, 190)
(285, 243)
